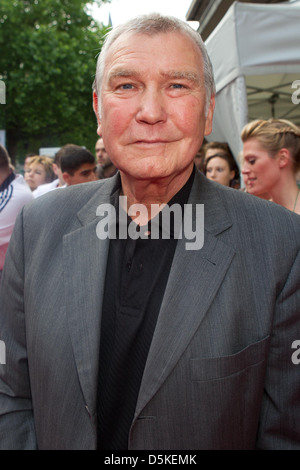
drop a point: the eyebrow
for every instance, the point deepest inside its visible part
(172, 74)
(88, 170)
(182, 75)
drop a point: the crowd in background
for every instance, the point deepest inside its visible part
(269, 168)
(123, 329)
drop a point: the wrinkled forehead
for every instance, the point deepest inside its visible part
(134, 44)
(136, 39)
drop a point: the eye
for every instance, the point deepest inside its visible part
(126, 86)
(177, 86)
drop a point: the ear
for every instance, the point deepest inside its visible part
(66, 177)
(232, 174)
(210, 115)
(54, 166)
(96, 111)
(284, 157)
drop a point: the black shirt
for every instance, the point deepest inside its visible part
(136, 276)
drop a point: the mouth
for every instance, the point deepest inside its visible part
(150, 142)
(250, 180)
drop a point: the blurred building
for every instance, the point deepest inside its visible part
(254, 49)
(210, 12)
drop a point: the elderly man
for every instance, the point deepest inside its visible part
(122, 333)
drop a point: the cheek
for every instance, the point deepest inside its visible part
(222, 177)
(187, 117)
(115, 132)
(266, 168)
(116, 116)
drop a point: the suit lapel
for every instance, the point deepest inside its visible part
(193, 282)
(85, 257)
(194, 279)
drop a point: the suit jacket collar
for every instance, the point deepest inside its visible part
(202, 192)
(216, 218)
(193, 282)
(105, 195)
(84, 257)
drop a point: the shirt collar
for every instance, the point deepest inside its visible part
(7, 181)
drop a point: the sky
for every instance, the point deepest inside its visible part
(123, 10)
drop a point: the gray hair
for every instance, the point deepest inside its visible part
(151, 24)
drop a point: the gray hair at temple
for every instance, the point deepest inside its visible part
(151, 24)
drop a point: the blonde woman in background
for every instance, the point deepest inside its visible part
(271, 161)
(39, 171)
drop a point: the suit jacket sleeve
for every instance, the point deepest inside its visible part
(16, 415)
(279, 424)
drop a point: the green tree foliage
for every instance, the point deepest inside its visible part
(48, 52)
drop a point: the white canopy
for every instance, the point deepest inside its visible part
(255, 52)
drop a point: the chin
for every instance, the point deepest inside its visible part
(147, 170)
(254, 191)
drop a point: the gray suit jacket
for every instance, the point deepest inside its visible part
(219, 374)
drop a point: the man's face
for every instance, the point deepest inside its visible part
(101, 153)
(85, 173)
(153, 105)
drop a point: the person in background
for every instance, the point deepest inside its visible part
(271, 154)
(222, 168)
(105, 167)
(57, 183)
(39, 170)
(213, 147)
(14, 194)
(119, 340)
(199, 161)
(210, 149)
(27, 160)
(77, 164)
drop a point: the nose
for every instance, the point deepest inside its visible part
(92, 177)
(151, 107)
(245, 169)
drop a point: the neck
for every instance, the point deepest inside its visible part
(156, 191)
(285, 193)
(149, 192)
